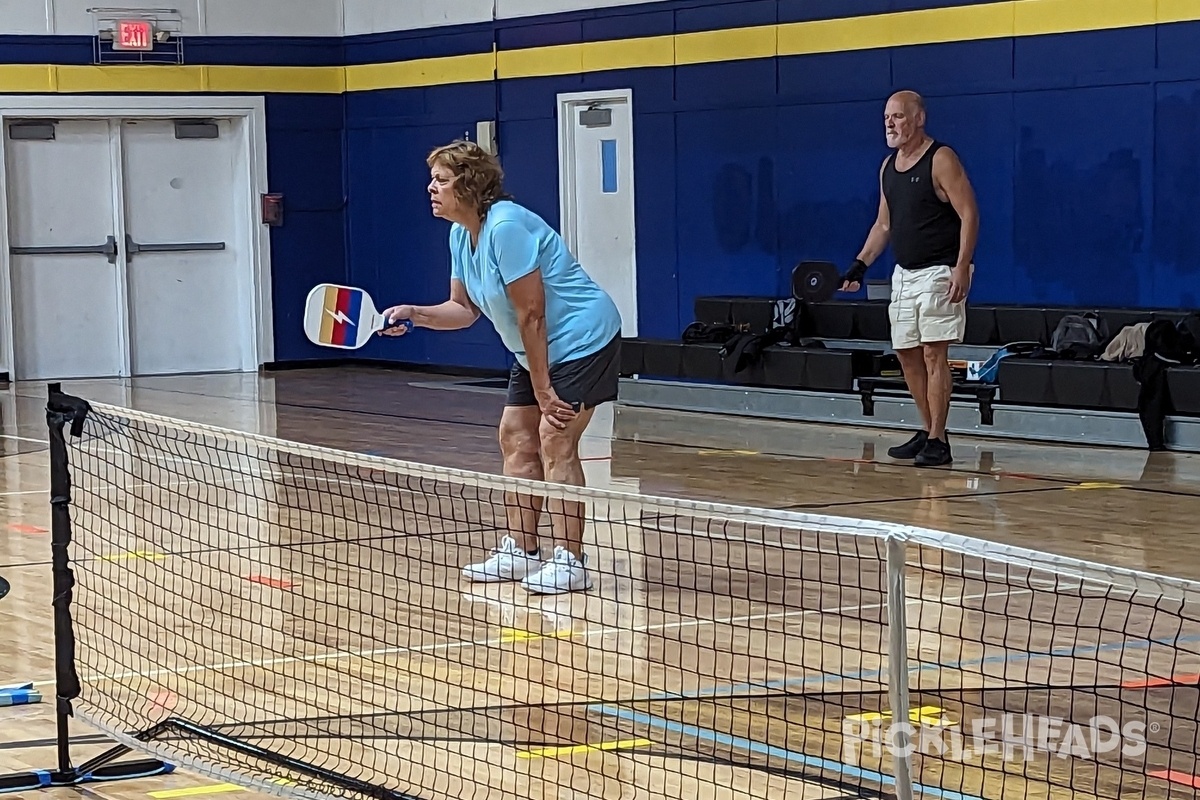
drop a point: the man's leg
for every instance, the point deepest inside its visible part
(939, 381)
(906, 341)
(912, 361)
(941, 324)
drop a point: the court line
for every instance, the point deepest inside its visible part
(336, 655)
(739, 743)
(762, 748)
(956, 471)
(22, 438)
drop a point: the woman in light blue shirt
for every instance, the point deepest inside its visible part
(564, 332)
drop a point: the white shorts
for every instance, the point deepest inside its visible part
(920, 310)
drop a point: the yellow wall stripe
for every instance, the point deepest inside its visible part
(282, 80)
(71, 78)
(1037, 17)
(648, 51)
(989, 21)
(961, 23)
(129, 78)
(421, 72)
(28, 78)
(706, 47)
(533, 62)
(1178, 10)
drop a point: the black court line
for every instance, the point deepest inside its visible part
(90, 738)
(29, 564)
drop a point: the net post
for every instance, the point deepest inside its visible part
(60, 410)
(898, 737)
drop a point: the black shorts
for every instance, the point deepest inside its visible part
(589, 381)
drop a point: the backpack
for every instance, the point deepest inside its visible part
(1080, 336)
(708, 333)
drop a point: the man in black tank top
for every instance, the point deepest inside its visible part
(928, 213)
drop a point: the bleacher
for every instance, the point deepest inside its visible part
(846, 350)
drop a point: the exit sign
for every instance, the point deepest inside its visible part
(133, 34)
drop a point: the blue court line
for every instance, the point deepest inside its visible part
(749, 745)
(706, 735)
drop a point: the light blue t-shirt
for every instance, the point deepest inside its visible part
(580, 316)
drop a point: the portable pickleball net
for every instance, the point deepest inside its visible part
(293, 619)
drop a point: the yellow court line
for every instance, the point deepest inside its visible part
(146, 554)
(567, 750)
(196, 791)
(509, 635)
(929, 716)
(216, 788)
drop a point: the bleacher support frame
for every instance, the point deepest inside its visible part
(1055, 425)
(838, 369)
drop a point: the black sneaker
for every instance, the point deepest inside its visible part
(910, 449)
(935, 454)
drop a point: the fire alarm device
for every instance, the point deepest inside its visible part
(272, 209)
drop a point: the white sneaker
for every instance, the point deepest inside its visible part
(508, 562)
(563, 573)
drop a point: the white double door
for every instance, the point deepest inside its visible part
(127, 248)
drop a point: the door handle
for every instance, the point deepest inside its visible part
(108, 249)
(132, 248)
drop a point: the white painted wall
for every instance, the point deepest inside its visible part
(509, 9)
(381, 16)
(195, 17)
(288, 17)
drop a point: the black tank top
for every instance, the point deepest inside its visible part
(924, 230)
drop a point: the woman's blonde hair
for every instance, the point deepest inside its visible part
(479, 177)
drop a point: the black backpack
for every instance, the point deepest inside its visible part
(1080, 336)
(708, 333)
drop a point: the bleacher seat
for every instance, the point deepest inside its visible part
(1086, 385)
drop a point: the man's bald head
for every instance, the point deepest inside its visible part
(904, 118)
(909, 100)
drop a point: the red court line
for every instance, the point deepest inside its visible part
(1175, 776)
(274, 583)
(20, 527)
(1174, 680)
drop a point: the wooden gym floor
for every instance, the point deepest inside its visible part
(657, 663)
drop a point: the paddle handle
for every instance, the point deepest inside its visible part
(383, 324)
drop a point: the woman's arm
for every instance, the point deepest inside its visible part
(455, 314)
